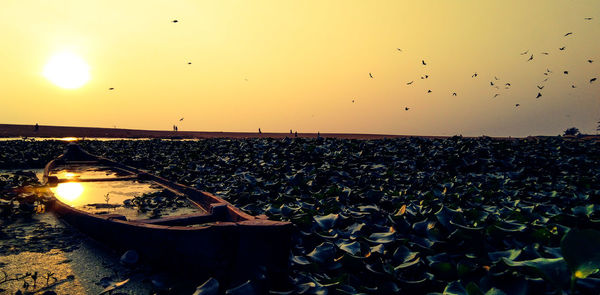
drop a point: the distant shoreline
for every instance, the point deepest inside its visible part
(16, 130)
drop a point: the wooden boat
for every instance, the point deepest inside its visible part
(221, 240)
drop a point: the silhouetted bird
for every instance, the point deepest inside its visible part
(540, 87)
(189, 63)
(545, 80)
(406, 108)
(516, 105)
(352, 102)
(474, 75)
(530, 58)
(566, 72)
(507, 84)
(545, 53)
(370, 75)
(180, 119)
(590, 61)
(399, 49)
(111, 88)
(562, 48)
(592, 80)
(496, 95)
(423, 62)
(523, 53)
(429, 91)
(538, 95)
(495, 78)
(569, 33)
(491, 83)
(453, 93)
(174, 21)
(587, 18)
(409, 83)
(572, 86)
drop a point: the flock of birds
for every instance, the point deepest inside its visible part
(495, 82)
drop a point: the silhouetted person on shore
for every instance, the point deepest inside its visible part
(296, 134)
(36, 128)
(290, 131)
(259, 132)
(318, 134)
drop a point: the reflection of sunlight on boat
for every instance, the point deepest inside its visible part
(69, 191)
(69, 175)
(69, 139)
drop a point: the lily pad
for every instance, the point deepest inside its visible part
(581, 250)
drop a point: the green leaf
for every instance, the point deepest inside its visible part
(581, 250)
(508, 254)
(322, 253)
(473, 289)
(552, 270)
(494, 291)
(352, 248)
(327, 221)
(382, 238)
(455, 288)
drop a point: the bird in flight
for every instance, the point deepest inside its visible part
(507, 84)
(562, 48)
(496, 78)
(409, 83)
(540, 87)
(592, 80)
(399, 49)
(523, 53)
(423, 62)
(516, 105)
(496, 95)
(453, 93)
(545, 80)
(566, 72)
(569, 33)
(492, 83)
(111, 88)
(353, 101)
(590, 61)
(474, 75)
(189, 62)
(530, 58)
(425, 77)
(545, 53)
(429, 91)
(370, 75)
(174, 21)
(180, 119)
(538, 95)
(406, 108)
(588, 18)
(572, 86)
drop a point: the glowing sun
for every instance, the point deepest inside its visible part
(67, 70)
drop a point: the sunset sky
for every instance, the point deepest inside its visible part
(282, 65)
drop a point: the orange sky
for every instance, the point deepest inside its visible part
(282, 65)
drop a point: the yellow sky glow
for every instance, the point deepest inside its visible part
(282, 65)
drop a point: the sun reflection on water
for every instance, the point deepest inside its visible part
(69, 191)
